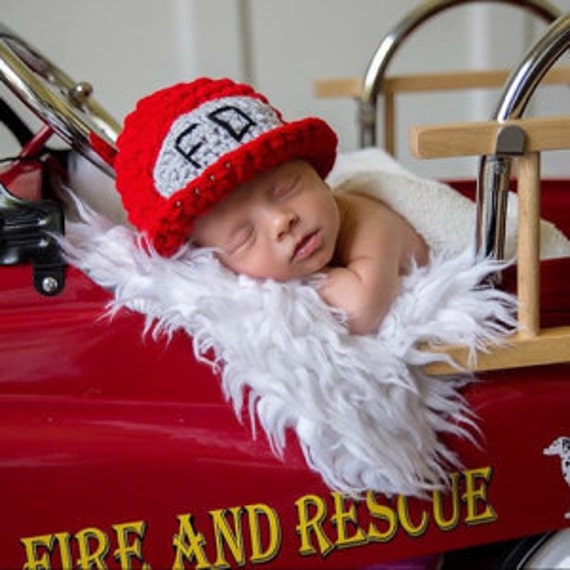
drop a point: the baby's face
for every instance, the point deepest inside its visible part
(282, 225)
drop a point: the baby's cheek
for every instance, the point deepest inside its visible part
(242, 265)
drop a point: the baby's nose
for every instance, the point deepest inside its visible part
(283, 222)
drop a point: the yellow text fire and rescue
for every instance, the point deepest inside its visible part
(252, 534)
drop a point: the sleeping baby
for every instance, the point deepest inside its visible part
(230, 175)
(287, 224)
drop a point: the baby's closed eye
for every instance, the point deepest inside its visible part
(240, 239)
(286, 186)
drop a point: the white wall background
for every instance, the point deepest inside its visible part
(128, 48)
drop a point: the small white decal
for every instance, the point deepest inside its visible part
(561, 447)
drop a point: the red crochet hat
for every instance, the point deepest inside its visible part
(186, 147)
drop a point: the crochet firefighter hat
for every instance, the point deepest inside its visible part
(186, 147)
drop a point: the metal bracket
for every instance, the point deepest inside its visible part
(26, 235)
(511, 141)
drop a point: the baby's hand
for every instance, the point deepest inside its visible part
(365, 303)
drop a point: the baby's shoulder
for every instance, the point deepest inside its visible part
(360, 206)
(367, 225)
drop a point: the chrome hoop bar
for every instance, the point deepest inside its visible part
(393, 40)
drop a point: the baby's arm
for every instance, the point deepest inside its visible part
(374, 249)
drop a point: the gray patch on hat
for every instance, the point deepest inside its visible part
(198, 139)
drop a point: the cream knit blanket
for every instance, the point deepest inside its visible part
(445, 218)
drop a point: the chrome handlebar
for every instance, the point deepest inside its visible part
(65, 105)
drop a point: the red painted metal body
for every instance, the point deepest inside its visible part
(119, 451)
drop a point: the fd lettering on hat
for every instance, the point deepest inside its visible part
(198, 139)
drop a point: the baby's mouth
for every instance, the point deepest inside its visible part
(307, 246)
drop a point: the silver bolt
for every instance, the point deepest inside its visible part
(80, 92)
(50, 284)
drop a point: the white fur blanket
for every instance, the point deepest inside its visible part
(365, 414)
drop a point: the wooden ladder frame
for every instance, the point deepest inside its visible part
(532, 345)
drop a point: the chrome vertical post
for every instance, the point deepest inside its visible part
(495, 170)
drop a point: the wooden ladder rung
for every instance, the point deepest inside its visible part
(351, 87)
(549, 346)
